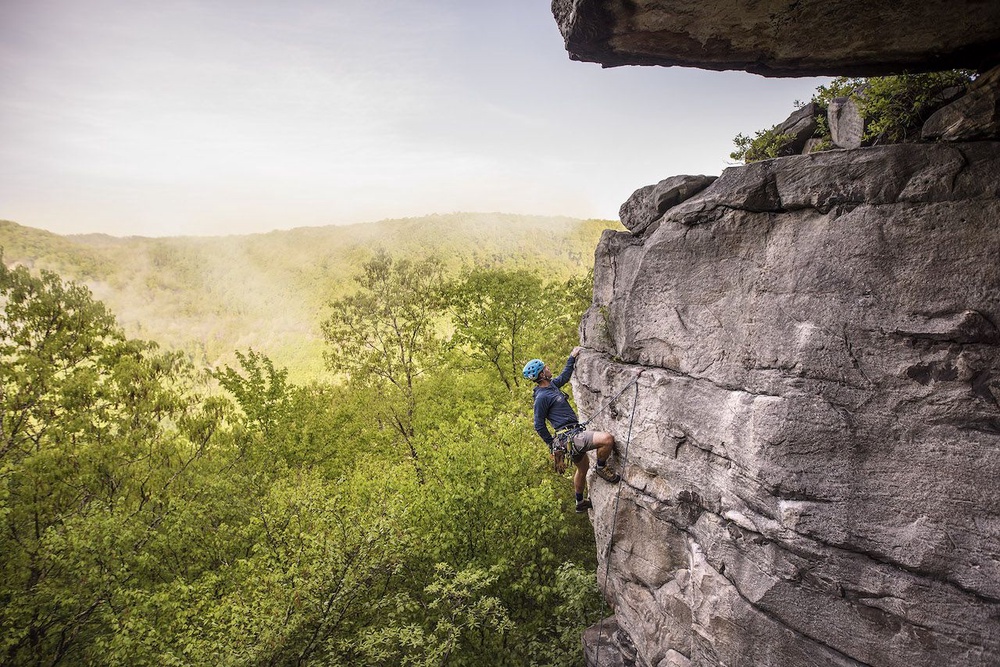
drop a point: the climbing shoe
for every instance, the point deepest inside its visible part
(608, 474)
(584, 505)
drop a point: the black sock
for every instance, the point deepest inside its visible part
(579, 497)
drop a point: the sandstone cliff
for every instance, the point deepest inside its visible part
(810, 466)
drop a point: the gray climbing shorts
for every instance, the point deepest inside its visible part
(582, 443)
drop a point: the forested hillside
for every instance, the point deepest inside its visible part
(157, 513)
(209, 296)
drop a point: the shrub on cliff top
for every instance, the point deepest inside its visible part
(893, 107)
(763, 145)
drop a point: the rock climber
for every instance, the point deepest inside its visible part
(570, 437)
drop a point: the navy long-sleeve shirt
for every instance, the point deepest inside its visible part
(552, 404)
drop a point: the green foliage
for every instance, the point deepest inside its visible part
(97, 446)
(262, 393)
(896, 107)
(430, 630)
(502, 318)
(45, 250)
(384, 336)
(384, 333)
(763, 145)
(822, 134)
(893, 108)
(210, 296)
(567, 302)
(841, 86)
(495, 315)
(577, 597)
(146, 523)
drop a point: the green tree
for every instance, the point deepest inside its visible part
(385, 335)
(431, 630)
(566, 302)
(288, 426)
(503, 318)
(147, 524)
(89, 468)
(498, 315)
(764, 144)
(313, 572)
(260, 389)
(492, 504)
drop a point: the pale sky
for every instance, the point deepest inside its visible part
(170, 117)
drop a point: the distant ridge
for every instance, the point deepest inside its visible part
(209, 296)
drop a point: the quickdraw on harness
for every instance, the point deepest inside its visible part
(564, 440)
(565, 435)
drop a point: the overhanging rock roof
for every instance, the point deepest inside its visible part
(784, 38)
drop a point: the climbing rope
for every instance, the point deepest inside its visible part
(614, 518)
(613, 399)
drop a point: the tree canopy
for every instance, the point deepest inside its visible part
(155, 514)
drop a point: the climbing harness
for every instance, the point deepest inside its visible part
(569, 431)
(614, 517)
(564, 436)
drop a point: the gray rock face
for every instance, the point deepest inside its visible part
(811, 450)
(799, 127)
(847, 126)
(607, 645)
(809, 38)
(650, 202)
(974, 116)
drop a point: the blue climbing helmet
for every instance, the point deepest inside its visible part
(533, 369)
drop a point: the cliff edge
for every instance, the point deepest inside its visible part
(812, 444)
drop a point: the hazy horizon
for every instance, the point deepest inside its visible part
(406, 218)
(216, 117)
